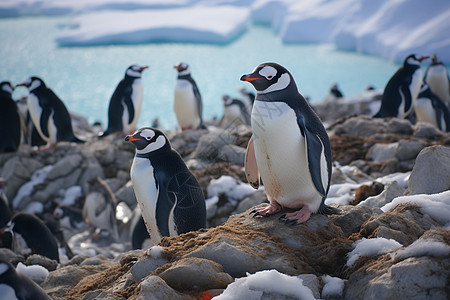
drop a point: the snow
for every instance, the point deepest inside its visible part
(71, 195)
(387, 28)
(423, 247)
(36, 272)
(333, 287)
(234, 189)
(25, 190)
(369, 247)
(253, 286)
(435, 205)
(156, 252)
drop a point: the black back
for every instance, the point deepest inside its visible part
(9, 122)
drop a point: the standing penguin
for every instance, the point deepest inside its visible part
(401, 91)
(169, 196)
(436, 76)
(188, 104)
(31, 236)
(289, 148)
(235, 113)
(48, 113)
(14, 285)
(10, 130)
(429, 108)
(126, 102)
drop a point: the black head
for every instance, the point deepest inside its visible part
(435, 60)
(182, 68)
(6, 87)
(413, 60)
(32, 83)
(148, 139)
(269, 77)
(135, 71)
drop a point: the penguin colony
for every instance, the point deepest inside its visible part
(170, 200)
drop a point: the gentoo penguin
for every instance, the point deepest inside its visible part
(235, 113)
(169, 196)
(248, 98)
(126, 102)
(289, 149)
(99, 209)
(5, 211)
(436, 76)
(401, 91)
(429, 108)
(334, 91)
(10, 130)
(14, 285)
(31, 236)
(48, 113)
(187, 104)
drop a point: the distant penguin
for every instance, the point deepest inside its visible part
(126, 102)
(235, 113)
(436, 76)
(31, 236)
(14, 285)
(99, 209)
(401, 91)
(429, 108)
(48, 113)
(248, 98)
(335, 91)
(188, 104)
(290, 149)
(5, 211)
(10, 130)
(70, 220)
(169, 196)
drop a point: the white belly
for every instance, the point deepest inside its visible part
(35, 114)
(414, 89)
(232, 116)
(281, 156)
(437, 80)
(137, 97)
(185, 105)
(425, 111)
(146, 194)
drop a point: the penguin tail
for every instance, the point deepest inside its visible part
(378, 115)
(77, 140)
(327, 210)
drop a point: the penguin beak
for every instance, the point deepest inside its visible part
(143, 68)
(248, 77)
(423, 58)
(130, 138)
(21, 84)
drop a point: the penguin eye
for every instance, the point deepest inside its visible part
(269, 77)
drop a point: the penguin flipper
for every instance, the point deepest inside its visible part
(315, 156)
(129, 103)
(45, 115)
(407, 98)
(251, 167)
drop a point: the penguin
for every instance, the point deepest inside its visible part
(401, 91)
(187, 104)
(235, 113)
(429, 108)
(289, 148)
(99, 209)
(126, 102)
(334, 91)
(48, 113)
(436, 76)
(10, 130)
(248, 98)
(14, 285)
(5, 211)
(31, 236)
(169, 196)
(70, 220)
(140, 239)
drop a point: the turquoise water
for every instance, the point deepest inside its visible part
(85, 77)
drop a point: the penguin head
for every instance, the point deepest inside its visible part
(413, 60)
(435, 60)
(135, 71)
(182, 68)
(7, 87)
(269, 77)
(227, 100)
(147, 140)
(32, 83)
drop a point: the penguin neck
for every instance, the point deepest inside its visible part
(153, 154)
(129, 78)
(186, 76)
(279, 95)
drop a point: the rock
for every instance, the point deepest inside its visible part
(196, 274)
(351, 218)
(254, 199)
(425, 130)
(7, 254)
(408, 149)
(232, 154)
(382, 152)
(312, 282)
(144, 266)
(65, 166)
(431, 172)
(391, 191)
(210, 145)
(365, 191)
(36, 259)
(126, 194)
(155, 288)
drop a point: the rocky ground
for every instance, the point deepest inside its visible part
(375, 161)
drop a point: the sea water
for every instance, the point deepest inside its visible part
(85, 77)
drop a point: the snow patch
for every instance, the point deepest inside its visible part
(369, 247)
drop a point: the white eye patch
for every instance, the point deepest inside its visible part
(268, 72)
(148, 134)
(7, 88)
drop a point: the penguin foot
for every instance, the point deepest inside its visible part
(299, 216)
(46, 147)
(270, 209)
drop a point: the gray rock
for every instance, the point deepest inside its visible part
(155, 288)
(65, 166)
(233, 154)
(144, 266)
(391, 191)
(425, 130)
(431, 173)
(196, 274)
(350, 218)
(408, 149)
(52, 188)
(210, 144)
(312, 282)
(382, 152)
(126, 194)
(254, 199)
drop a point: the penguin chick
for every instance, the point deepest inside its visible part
(289, 149)
(169, 196)
(401, 91)
(126, 102)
